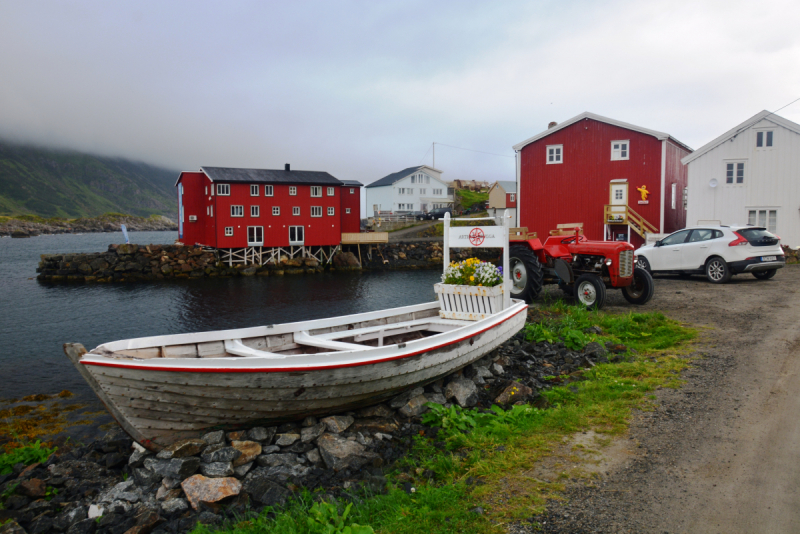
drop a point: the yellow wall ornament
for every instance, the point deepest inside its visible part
(643, 190)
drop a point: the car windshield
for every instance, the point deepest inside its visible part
(753, 234)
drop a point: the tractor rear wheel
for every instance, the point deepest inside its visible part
(641, 289)
(590, 291)
(525, 273)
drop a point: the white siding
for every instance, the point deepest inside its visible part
(771, 181)
(389, 197)
(382, 196)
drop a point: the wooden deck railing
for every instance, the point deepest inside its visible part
(618, 214)
(365, 238)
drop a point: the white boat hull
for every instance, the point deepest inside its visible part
(160, 400)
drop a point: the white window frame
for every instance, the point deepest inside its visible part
(331, 192)
(224, 190)
(302, 232)
(422, 190)
(212, 211)
(316, 190)
(352, 190)
(674, 195)
(269, 191)
(255, 242)
(253, 190)
(331, 211)
(735, 175)
(255, 211)
(557, 155)
(229, 231)
(347, 210)
(625, 146)
(410, 190)
(766, 136)
(512, 197)
(237, 210)
(292, 191)
(438, 191)
(276, 210)
(296, 210)
(401, 191)
(316, 211)
(206, 191)
(770, 216)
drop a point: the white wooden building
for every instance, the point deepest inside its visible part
(749, 175)
(413, 189)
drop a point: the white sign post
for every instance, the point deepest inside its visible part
(479, 236)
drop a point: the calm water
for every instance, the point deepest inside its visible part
(37, 318)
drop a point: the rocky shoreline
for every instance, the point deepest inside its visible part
(116, 486)
(134, 263)
(21, 228)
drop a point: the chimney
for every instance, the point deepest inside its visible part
(287, 167)
(553, 124)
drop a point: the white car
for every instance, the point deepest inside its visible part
(719, 252)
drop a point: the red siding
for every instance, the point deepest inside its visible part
(511, 203)
(676, 173)
(325, 230)
(196, 203)
(577, 189)
(351, 222)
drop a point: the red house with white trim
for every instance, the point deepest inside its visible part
(230, 208)
(621, 181)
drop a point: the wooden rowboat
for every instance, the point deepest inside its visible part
(165, 388)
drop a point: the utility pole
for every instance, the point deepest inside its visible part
(434, 155)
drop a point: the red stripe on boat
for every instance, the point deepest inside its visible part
(290, 369)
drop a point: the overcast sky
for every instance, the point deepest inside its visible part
(361, 89)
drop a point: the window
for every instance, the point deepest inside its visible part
(295, 210)
(701, 235)
(276, 210)
(618, 194)
(224, 189)
(766, 218)
(296, 235)
(352, 190)
(212, 190)
(206, 190)
(512, 197)
(734, 170)
(228, 231)
(675, 239)
(685, 197)
(268, 191)
(254, 190)
(410, 191)
(208, 210)
(292, 190)
(422, 191)
(255, 235)
(674, 192)
(764, 139)
(316, 191)
(330, 211)
(413, 178)
(427, 179)
(255, 211)
(554, 154)
(237, 211)
(402, 190)
(619, 150)
(437, 191)
(330, 191)
(347, 210)
(316, 211)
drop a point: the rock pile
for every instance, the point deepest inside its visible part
(420, 256)
(104, 487)
(29, 228)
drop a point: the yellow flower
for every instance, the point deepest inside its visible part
(472, 278)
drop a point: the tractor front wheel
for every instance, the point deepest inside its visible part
(590, 291)
(525, 273)
(641, 289)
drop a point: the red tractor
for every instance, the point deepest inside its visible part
(581, 268)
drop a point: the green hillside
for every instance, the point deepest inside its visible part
(53, 183)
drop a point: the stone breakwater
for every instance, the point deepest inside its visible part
(115, 486)
(23, 228)
(131, 263)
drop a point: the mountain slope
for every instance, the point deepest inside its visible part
(54, 183)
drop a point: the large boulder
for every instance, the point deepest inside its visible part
(463, 391)
(183, 448)
(199, 489)
(249, 449)
(337, 423)
(178, 468)
(340, 453)
(514, 392)
(346, 260)
(261, 489)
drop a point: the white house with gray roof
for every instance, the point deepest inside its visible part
(749, 175)
(413, 189)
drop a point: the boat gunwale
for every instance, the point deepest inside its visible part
(146, 365)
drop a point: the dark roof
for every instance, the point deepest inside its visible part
(226, 174)
(392, 178)
(352, 183)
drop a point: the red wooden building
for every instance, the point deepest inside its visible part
(228, 208)
(621, 181)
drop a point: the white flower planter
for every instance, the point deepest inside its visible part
(470, 303)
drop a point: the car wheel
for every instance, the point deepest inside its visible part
(717, 270)
(590, 291)
(525, 273)
(641, 289)
(765, 275)
(642, 263)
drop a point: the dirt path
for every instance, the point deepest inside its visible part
(721, 454)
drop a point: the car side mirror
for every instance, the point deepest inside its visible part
(657, 243)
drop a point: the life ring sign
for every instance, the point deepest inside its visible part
(476, 236)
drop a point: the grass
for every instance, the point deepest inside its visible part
(469, 198)
(438, 228)
(61, 221)
(486, 459)
(26, 454)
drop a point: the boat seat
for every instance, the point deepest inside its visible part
(237, 348)
(386, 330)
(303, 338)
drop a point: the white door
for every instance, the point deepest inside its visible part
(296, 235)
(697, 249)
(668, 256)
(618, 194)
(255, 236)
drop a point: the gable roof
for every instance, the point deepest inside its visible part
(397, 176)
(736, 130)
(508, 187)
(586, 115)
(227, 174)
(351, 183)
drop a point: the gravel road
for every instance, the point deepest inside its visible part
(722, 453)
